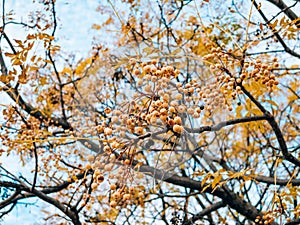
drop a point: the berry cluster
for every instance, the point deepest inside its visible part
(126, 196)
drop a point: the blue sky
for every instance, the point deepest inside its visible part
(75, 35)
(75, 18)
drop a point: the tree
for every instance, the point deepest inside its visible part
(187, 114)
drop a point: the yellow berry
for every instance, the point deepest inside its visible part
(113, 187)
(177, 129)
(90, 158)
(107, 110)
(177, 120)
(113, 204)
(97, 173)
(196, 115)
(139, 130)
(132, 61)
(190, 111)
(178, 96)
(94, 186)
(141, 195)
(147, 68)
(126, 197)
(153, 61)
(108, 131)
(106, 149)
(181, 109)
(100, 178)
(116, 195)
(147, 88)
(88, 166)
(172, 109)
(126, 161)
(99, 129)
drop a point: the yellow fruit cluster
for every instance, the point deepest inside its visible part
(123, 196)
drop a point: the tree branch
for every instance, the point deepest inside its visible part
(205, 212)
(229, 198)
(294, 222)
(286, 48)
(287, 10)
(72, 214)
(226, 123)
(270, 118)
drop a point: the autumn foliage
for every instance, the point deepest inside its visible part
(186, 113)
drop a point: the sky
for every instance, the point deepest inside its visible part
(74, 34)
(75, 19)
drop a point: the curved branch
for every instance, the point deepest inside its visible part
(286, 48)
(17, 98)
(275, 181)
(205, 212)
(294, 222)
(229, 198)
(287, 10)
(226, 123)
(270, 118)
(72, 214)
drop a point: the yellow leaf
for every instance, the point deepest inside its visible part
(30, 36)
(178, 50)
(34, 68)
(273, 25)
(43, 81)
(254, 43)
(291, 36)
(188, 34)
(148, 50)
(47, 61)
(238, 111)
(271, 102)
(246, 178)
(216, 181)
(295, 21)
(17, 62)
(96, 27)
(109, 21)
(282, 21)
(256, 112)
(259, 6)
(9, 54)
(19, 42)
(33, 58)
(207, 186)
(295, 66)
(67, 70)
(205, 179)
